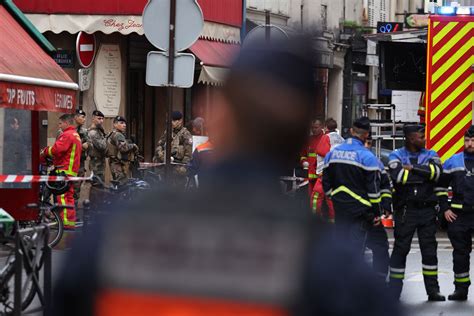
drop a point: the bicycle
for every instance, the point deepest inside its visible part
(48, 212)
(28, 251)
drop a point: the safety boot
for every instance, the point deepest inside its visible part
(459, 294)
(436, 297)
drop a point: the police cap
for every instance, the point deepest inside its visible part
(469, 132)
(98, 113)
(176, 115)
(413, 128)
(80, 112)
(362, 123)
(119, 118)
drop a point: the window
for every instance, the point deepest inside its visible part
(15, 145)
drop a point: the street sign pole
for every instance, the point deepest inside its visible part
(171, 49)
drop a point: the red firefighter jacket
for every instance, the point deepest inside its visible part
(309, 155)
(66, 151)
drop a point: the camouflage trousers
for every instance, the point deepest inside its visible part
(97, 166)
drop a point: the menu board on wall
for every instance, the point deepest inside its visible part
(108, 80)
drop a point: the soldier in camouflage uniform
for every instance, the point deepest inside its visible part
(98, 145)
(181, 145)
(80, 119)
(120, 152)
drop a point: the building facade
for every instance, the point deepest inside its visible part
(118, 84)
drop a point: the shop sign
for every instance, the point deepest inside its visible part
(389, 27)
(64, 58)
(36, 98)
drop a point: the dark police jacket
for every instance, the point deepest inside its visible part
(458, 172)
(386, 188)
(351, 176)
(418, 186)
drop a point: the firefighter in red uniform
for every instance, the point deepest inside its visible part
(66, 155)
(330, 140)
(308, 155)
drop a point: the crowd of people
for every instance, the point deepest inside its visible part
(358, 190)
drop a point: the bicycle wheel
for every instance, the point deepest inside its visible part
(7, 288)
(56, 228)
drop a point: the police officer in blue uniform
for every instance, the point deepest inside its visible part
(458, 172)
(415, 172)
(351, 177)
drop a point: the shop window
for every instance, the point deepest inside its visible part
(15, 145)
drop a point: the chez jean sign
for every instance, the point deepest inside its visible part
(119, 25)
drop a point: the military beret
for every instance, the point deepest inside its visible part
(119, 118)
(469, 132)
(80, 112)
(98, 113)
(413, 128)
(176, 115)
(362, 123)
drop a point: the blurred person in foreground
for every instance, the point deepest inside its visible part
(238, 246)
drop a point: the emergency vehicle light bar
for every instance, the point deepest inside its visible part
(453, 10)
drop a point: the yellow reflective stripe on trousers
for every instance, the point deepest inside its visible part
(386, 195)
(312, 155)
(315, 201)
(312, 176)
(50, 151)
(441, 193)
(462, 280)
(65, 219)
(458, 206)
(345, 189)
(433, 171)
(405, 176)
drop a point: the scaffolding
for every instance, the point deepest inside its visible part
(383, 127)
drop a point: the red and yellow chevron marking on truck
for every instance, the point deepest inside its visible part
(449, 84)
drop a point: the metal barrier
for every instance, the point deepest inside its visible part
(33, 254)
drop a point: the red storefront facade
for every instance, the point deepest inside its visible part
(30, 83)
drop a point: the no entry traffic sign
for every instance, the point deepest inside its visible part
(85, 49)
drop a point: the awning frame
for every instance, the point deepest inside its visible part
(39, 82)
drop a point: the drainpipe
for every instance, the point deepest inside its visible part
(243, 29)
